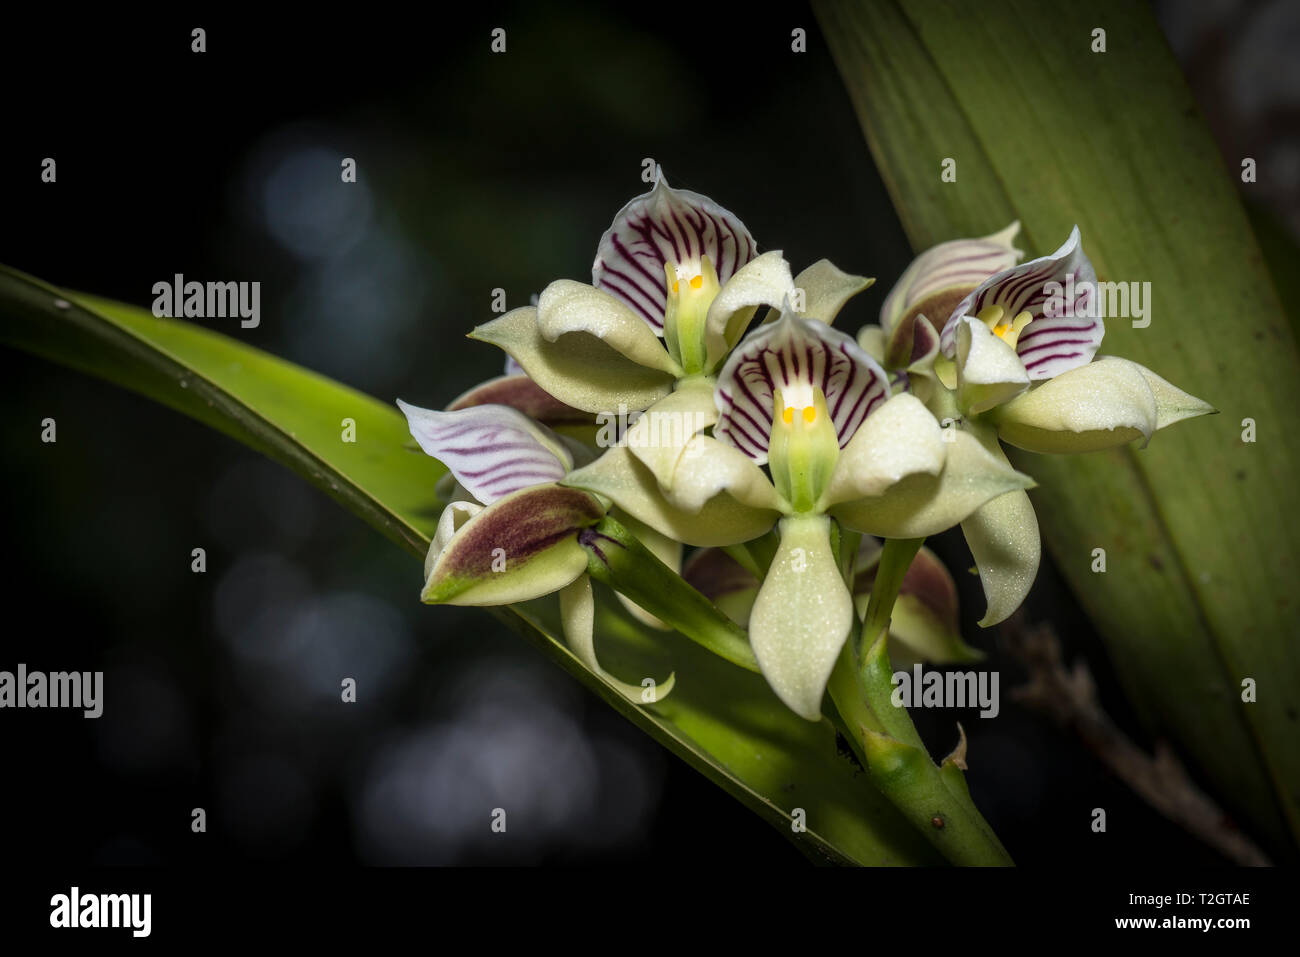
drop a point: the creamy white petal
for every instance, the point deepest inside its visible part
(1106, 403)
(577, 616)
(578, 369)
(708, 467)
(921, 505)
(492, 450)
(566, 307)
(826, 288)
(762, 281)
(620, 477)
(1003, 538)
(801, 616)
(988, 370)
(899, 439)
(659, 436)
(1172, 403)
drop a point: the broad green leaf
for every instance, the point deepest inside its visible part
(1281, 253)
(722, 720)
(1200, 528)
(281, 410)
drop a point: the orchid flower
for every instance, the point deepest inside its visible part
(518, 538)
(1016, 359)
(676, 281)
(1023, 344)
(516, 390)
(808, 404)
(907, 340)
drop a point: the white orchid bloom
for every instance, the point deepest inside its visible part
(1023, 344)
(676, 281)
(520, 539)
(907, 339)
(674, 275)
(1018, 353)
(805, 402)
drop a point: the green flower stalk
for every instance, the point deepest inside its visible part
(934, 798)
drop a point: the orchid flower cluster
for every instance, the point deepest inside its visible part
(778, 448)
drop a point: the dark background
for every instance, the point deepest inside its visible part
(476, 171)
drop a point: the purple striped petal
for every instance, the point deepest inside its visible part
(672, 226)
(1060, 292)
(946, 273)
(790, 354)
(492, 450)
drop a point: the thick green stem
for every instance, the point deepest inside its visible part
(846, 695)
(617, 558)
(910, 780)
(933, 798)
(895, 558)
(850, 542)
(876, 685)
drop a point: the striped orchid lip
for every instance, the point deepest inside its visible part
(1046, 308)
(492, 450)
(796, 356)
(946, 273)
(667, 228)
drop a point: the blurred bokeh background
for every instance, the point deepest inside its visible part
(476, 171)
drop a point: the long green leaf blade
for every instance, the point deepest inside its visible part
(1200, 528)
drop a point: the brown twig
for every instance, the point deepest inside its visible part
(1069, 697)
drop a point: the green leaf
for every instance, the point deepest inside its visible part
(1200, 528)
(290, 414)
(722, 720)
